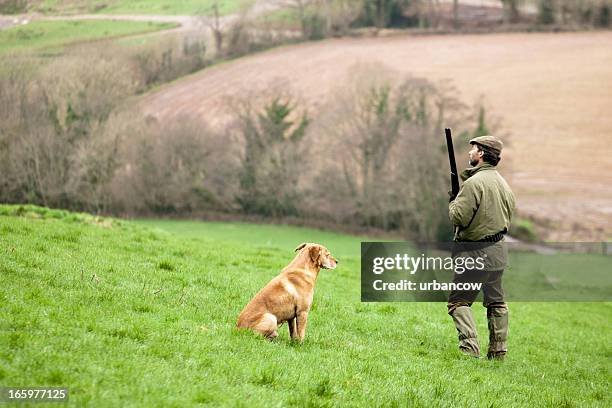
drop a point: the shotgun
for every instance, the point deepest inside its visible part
(453, 164)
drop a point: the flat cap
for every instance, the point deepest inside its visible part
(491, 142)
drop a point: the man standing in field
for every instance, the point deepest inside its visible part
(481, 214)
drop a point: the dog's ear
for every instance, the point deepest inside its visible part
(302, 245)
(315, 254)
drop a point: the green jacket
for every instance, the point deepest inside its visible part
(484, 205)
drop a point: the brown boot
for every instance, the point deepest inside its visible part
(466, 328)
(496, 356)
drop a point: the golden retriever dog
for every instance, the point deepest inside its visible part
(288, 297)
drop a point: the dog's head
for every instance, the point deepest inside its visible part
(319, 255)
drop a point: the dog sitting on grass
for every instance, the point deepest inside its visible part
(288, 297)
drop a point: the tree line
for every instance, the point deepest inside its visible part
(372, 157)
(323, 18)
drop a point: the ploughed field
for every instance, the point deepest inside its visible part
(551, 91)
(143, 314)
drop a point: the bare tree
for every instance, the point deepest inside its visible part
(380, 14)
(216, 29)
(383, 161)
(314, 16)
(213, 21)
(300, 8)
(339, 15)
(511, 10)
(54, 115)
(456, 13)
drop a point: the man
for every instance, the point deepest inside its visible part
(481, 214)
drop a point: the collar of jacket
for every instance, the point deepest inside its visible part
(467, 173)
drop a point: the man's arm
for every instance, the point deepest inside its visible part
(462, 209)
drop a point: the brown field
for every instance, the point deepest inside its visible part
(552, 93)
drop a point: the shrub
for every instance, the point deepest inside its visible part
(524, 230)
(546, 12)
(314, 27)
(13, 6)
(603, 15)
(384, 13)
(166, 168)
(164, 61)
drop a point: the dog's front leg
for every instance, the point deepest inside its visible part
(292, 328)
(302, 320)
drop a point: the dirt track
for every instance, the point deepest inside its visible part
(553, 93)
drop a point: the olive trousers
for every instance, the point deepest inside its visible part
(459, 309)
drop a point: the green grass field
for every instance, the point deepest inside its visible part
(51, 36)
(154, 7)
(143, 313)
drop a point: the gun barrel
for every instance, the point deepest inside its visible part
(453, 163)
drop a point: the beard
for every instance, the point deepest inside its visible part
(473, 163)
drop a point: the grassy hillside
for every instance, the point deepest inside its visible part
(143, 314)
(157, 7)
(51, 36)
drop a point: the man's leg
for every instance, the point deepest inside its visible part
(466, 329)
(459, 303)
(497, 316)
